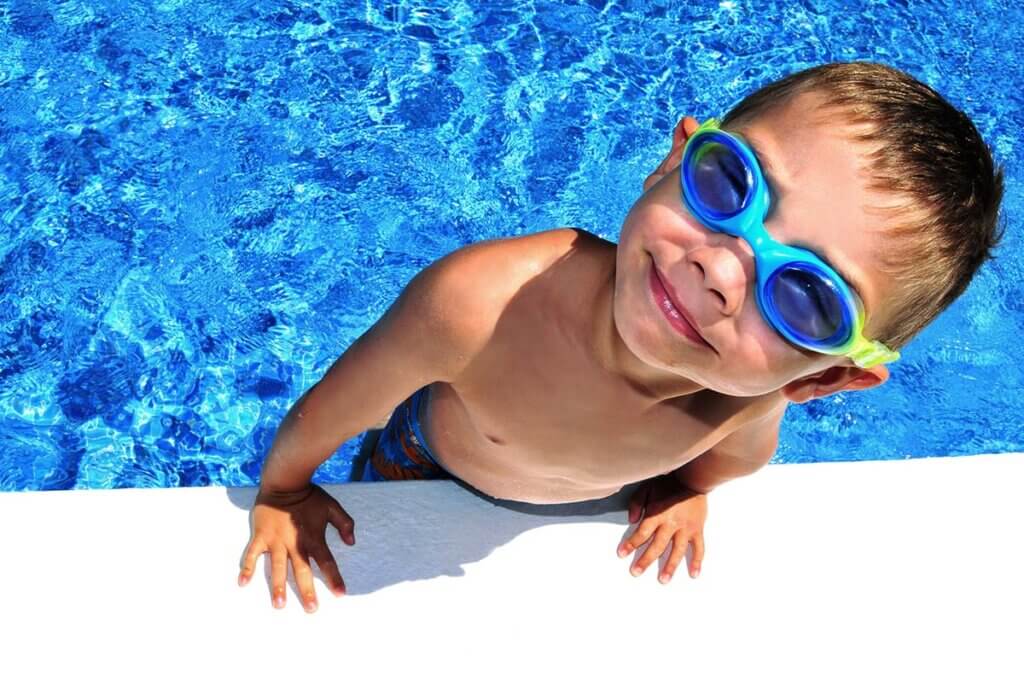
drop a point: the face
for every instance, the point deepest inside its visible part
(819, 201)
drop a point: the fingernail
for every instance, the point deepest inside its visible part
(623, 552)
(242, 580)
(635, 571)
(279, 601)
(664, 578)
(311, 607)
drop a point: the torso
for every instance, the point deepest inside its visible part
(536, 418)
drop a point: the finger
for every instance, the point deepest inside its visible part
(634, 503)
(638, 537)
(653, 552)
(329, 568)
(255, 548)
(344, 523)
(278, 574)
(679, 543)
(303, 578)
(637, 502)
(698, 554)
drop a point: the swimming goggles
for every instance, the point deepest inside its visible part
(800, 295)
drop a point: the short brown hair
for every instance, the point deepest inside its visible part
(927, 155)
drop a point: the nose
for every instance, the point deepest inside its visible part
(727, 269)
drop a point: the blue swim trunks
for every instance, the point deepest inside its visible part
(401, 451)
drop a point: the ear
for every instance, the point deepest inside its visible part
(683, 130)
(834, 379)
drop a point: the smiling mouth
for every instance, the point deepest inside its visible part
(673, 313)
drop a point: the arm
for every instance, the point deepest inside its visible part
(431, 332)
(740, 453)
(428, 334)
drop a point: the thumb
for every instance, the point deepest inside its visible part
(637, 502)
(345, 525)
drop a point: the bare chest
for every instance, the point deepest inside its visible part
(538, 422)
(537, 416)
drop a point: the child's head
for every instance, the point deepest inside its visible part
(868, 168)
(941, 190)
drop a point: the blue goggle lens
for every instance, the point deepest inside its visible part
(721, 180)
(808, 304)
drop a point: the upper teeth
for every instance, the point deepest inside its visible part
(670, 309)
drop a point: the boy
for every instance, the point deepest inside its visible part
(778, 258)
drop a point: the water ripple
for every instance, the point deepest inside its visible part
(203, 204)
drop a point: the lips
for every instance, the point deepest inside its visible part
(686, 326)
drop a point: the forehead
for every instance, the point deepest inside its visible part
(820, 195)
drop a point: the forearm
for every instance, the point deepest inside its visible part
(376, 373)
(691, 482)
(302, 443)
(741, 453)
(710, 470)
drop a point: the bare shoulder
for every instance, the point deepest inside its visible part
(499, 267)
(534, 250)
(467, 290)
(754, 432)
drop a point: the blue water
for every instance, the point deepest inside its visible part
(203, 204)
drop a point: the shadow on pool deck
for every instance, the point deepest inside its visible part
(434, 532)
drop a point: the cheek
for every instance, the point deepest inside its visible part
(762, 360)
(627, 307)
(655, 215)
(633, 223)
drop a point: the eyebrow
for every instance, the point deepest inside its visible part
(769, 172)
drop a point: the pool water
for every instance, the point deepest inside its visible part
(203, 204)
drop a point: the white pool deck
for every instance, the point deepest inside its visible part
(865, 571)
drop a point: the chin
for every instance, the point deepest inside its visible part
(645, 338)
(639, 334)
(753, 380)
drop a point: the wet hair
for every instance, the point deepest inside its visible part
(928, 158)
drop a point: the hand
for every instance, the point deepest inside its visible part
(671, 512)
(684, 129)
(292, 525)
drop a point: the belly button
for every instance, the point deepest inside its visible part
(494, 439)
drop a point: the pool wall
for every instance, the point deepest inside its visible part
(866, 571)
